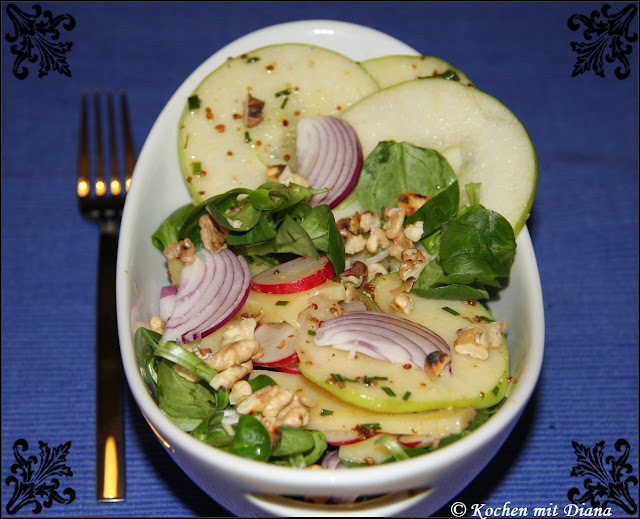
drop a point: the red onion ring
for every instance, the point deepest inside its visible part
(381, 336)
(330, 156)
(211, 291)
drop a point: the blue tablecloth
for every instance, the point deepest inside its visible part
(584, 228)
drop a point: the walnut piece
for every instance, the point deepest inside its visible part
(184, 249)
(475, 341)
(355, 275)
(411, 202)
(413, 260)
(253, 114)
(276, 406)
(214, 237)
(235, 353)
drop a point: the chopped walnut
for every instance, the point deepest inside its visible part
(377, 240)
(276, 406)
(354, 243)
(355, 275)
(157, 324)
(235, 353)
(413, 260)
(237, 332)
(273, 172)
(253, 114)
(287, 176)
(376, 269)
(394, 221)
(240, 389)
(369, 221)
(184, 249)
(343, 227)
(476, 340)
(436, 362)
(214, 237)
(411, 202)
(404, 303)
(414, 231)
(230, 376)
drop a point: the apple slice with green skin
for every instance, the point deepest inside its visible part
(296, 275)
(221, 149)
(482, 139)
(398, 389)
(344, 423)
(278, 344)
(397, 68)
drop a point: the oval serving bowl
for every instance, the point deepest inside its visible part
(419, 486)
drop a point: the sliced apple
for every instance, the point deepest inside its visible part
(343, 422)
(392, 69)
(471, 382)
(221, 148)
(481, 138)
(296, 275)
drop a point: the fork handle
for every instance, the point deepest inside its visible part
(110, 462)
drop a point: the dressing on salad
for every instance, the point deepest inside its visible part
(332, 313)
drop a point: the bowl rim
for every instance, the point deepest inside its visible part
(245, 469)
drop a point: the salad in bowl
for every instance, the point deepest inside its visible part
(328, 287)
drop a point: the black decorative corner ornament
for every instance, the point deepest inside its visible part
(36, 40)
(607, 39)
(607, 480)
(36, 480)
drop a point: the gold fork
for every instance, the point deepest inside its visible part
(104, 203)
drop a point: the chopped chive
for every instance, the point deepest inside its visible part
(495, 391)
(284, 103)
(339, 378)
(388, 391)
(326, 412)
(367, 380)
(487, 319)
(450, 310)
(196, 168)
(406, 395)
(282, 303)
(247, 137)
(194, 102)
(311, 332)
(253, 59)
(371, 425)
(285, 92)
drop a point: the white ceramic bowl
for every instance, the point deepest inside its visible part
(248, 488)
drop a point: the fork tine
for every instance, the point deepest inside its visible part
(130, 155)
(83, 186)
(100, 183)
(114, 184)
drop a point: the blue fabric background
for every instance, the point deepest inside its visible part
(584, 228)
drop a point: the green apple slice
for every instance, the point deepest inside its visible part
(219, 151)
(332, 415)
(396, 389)
(397, 68)
(480, 137)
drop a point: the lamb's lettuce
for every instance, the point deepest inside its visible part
(393, 168)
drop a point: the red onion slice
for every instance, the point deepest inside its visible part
(382, 336)
(329, 155)
(211, 291)
(167, 301)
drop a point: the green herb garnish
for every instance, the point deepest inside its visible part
(388, 391)
(282, 303)
(194, 102)
(406, 395)
(326, 412)
(450, 310)
(284, 92)
(311, 332)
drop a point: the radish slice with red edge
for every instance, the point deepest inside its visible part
(167, 301)
(296, 275)
(278, 344)
(386, 337)
(330, 156)
(211, 291)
